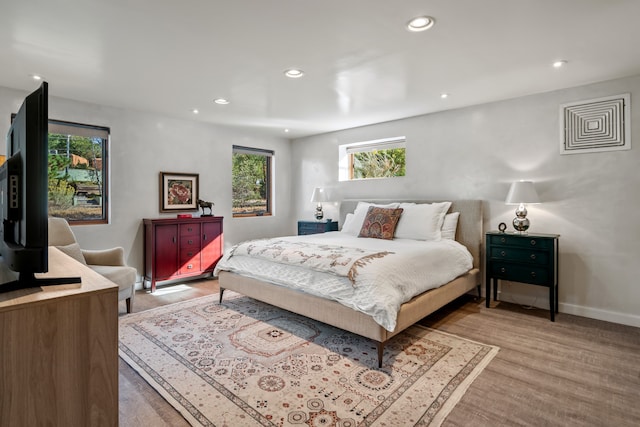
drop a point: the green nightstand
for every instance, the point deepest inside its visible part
(525, 258)
(315, 227)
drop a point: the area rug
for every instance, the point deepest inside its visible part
(246, 363)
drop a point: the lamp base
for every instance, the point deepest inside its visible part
(319, 214)
(521, 224)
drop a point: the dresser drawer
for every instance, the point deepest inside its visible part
(520, 255)
(520, 273)
(189, 230)
(521, 241)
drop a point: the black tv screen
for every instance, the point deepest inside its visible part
(24, 194)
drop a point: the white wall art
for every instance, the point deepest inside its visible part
(594, 125)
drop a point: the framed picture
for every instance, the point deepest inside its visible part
(178, 192)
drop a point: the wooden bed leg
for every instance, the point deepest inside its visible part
(221, 292)
(380, 353)
(479, 289)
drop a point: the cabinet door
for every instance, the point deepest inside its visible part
(211, 244)
(166, 251)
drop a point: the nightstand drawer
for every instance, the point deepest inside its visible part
(520, 255)
(314, 227)
(521, 241)
(520, 273)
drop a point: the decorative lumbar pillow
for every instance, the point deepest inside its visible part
(353, 224)
(380, 223)
(422, 221)
(73, 250)
(450, 225)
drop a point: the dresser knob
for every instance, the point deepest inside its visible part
(503, 253)
(533, 242)
(533, 274)
(190, 242)
(533, 256)
(503, 270)
(190, 266)
(502, 239)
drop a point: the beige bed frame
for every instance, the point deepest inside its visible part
(469, 233)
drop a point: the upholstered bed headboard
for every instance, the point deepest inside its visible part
(469, 231)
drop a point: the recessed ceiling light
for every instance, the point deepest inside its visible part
(420, 23)
(286, 130)
(195, 111)
(444, 95)
(559, 64)
(294, 73)
(221, 101)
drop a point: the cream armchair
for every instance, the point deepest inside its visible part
(108, 262)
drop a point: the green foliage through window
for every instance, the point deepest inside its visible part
(251, 181)
(378, 163)
(77, 160)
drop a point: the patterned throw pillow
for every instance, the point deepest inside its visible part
(380, 223)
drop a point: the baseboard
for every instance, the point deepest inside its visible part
(599, 314)
(542, 302)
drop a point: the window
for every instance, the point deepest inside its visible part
(251, 181)
(382, 158)
(78, 172)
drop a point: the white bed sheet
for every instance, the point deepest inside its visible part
(382, 285)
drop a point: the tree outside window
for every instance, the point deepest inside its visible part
(77, 172)
(383, 158)
(251, 181)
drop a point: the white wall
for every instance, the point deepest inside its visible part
(142, 145)
(591, 200)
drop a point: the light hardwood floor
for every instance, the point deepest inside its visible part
(573, 372)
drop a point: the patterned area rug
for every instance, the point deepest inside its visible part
(246, 363)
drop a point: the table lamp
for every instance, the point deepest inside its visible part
(319, 196)
(521, 193)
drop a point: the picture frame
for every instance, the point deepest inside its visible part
(178, 191)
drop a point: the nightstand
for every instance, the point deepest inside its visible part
(525, 258)
(315, 227)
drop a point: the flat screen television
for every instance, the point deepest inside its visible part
(24, 195)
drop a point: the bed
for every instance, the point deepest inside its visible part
(468, 233)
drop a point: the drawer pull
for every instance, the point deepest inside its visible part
(173, 239)
(533, 242)
(189, 229)
(533, 256)
(503, 270)
(190, 241)
(503, 253)
(502, 239)
(533, 274)
(190, 266)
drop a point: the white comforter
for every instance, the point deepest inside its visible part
(382, 285)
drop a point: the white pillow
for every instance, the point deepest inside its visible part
(348, 223)
(449, 225)
(421, 221)
(353, 224)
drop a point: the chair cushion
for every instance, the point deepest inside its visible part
(124, 277)
(74, 251)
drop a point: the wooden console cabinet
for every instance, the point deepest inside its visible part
(59, 350)
(181, 248)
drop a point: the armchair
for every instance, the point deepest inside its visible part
(108, 262)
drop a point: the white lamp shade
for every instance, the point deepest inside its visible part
(522, 192)
(319, 195)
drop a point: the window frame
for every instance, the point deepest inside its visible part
(55, 124)
(269, 155)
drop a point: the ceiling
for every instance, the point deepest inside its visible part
(361, 65)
